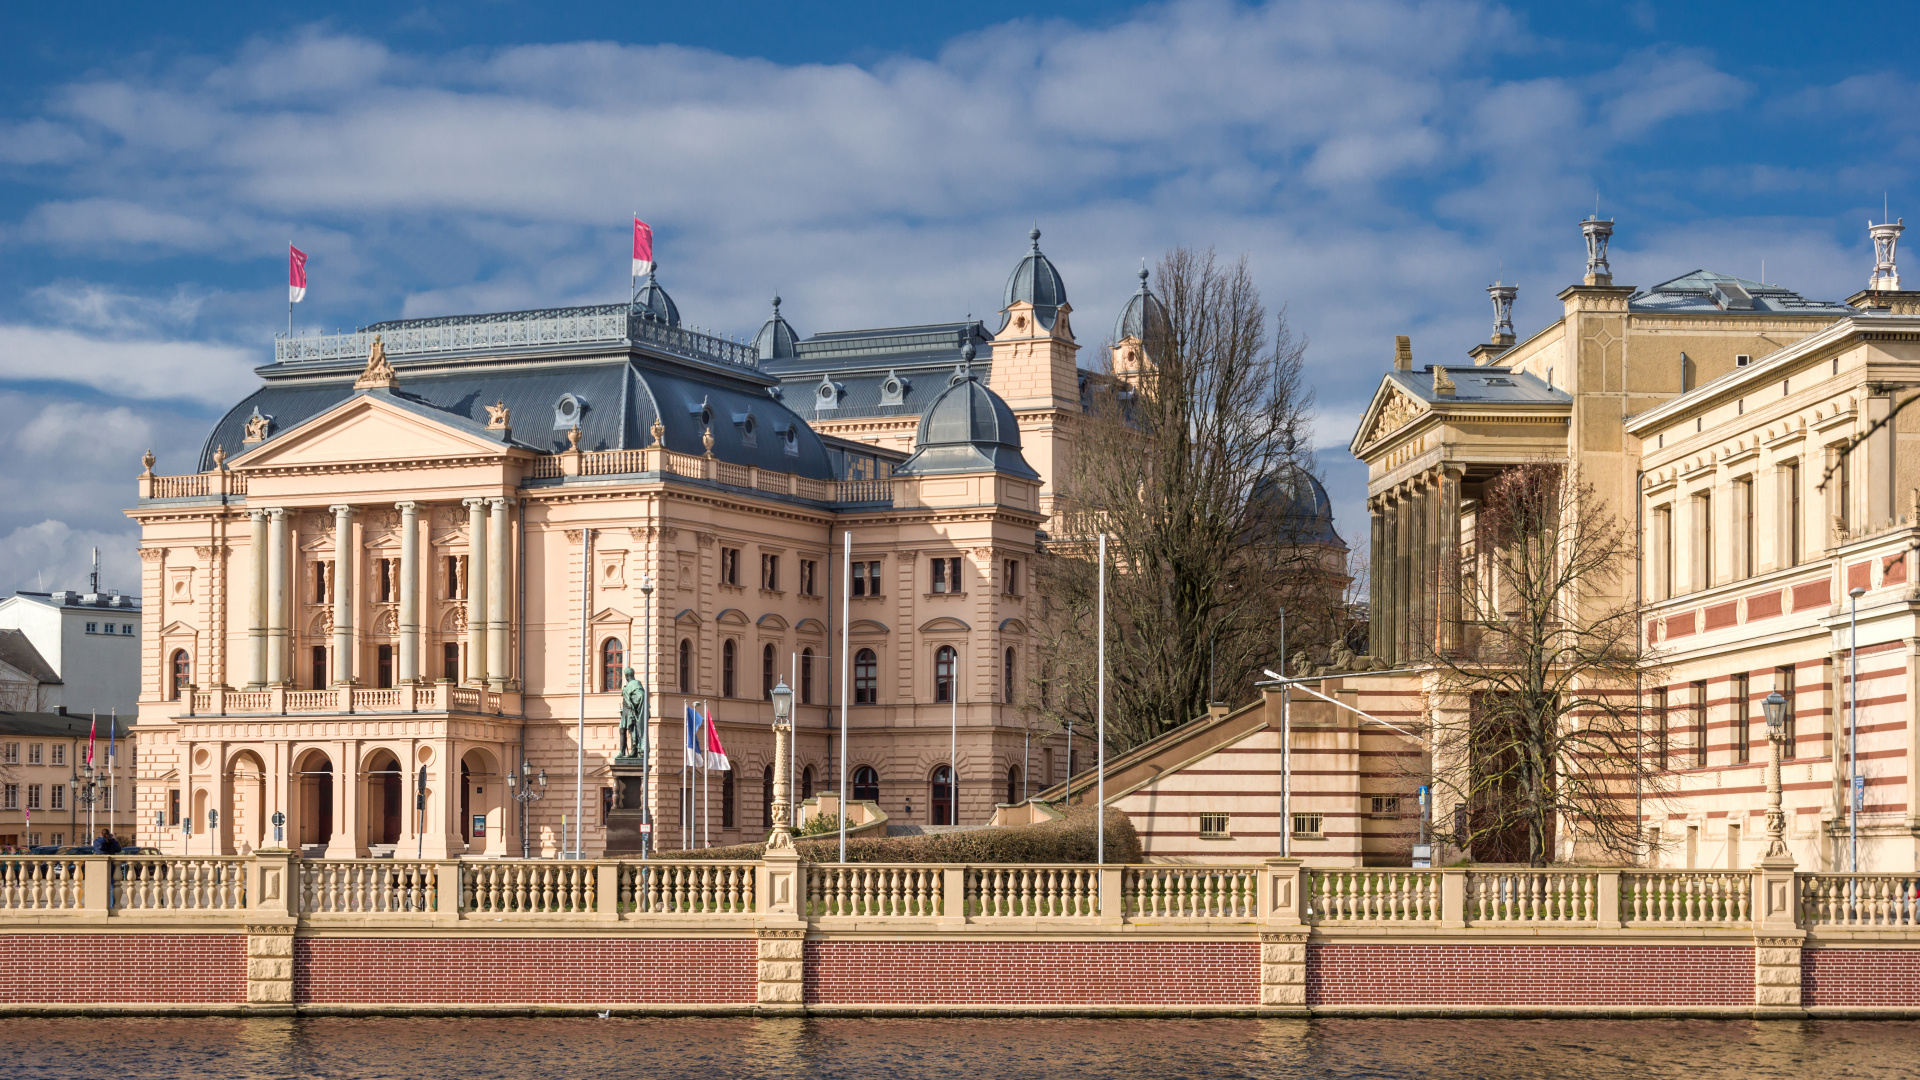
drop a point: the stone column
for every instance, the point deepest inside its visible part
(257, 602)
(349, 795)
(343, 585)
(1376, 580)
(1387, 565)
(1437, 547)
(409, 660)
(276, 597)
(1450, 544)
(498, 596)
(1404, 541)
(476, 590)
(1420, 636)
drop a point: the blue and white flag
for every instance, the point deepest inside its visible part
(696, 743)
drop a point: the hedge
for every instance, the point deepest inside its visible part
(1069, 839)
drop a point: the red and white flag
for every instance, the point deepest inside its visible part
(93, 729)
(716, 753)
(642, 248)
(296, 275)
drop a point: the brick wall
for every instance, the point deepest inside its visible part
(1529, 975)
(174, 969)
(1859, 977)
(1170, 973)
(478, 971)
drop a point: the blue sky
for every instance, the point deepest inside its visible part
(1379, 163)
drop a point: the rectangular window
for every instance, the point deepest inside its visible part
(1743, 506)
(126, 628)
(1700, 724)
(93, 628)
(1307, 826)
(770, 572)
(1386, 805)
(450, 661)
(36, 754)
(1843, 498)
(57, 798)
(1796, 527)
(322, 582)
(1702, 543)
(318, 662)
(946, 576)
(1213, 827)
(1012, 576)
(808, 568)
(173, 806)
(729, 566)
(389, 581)
(1658, 721)
(1783, 682)
(606, 804)
(866, 579)
(11, 800)
(1737, 706)
(10, 754)
(59, 754)
(33, 796)
(1663, 528)
(456, 577)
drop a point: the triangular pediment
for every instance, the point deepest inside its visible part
(1392, 409)
(371, 427)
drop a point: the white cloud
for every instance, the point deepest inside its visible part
(53, 555)
(136, 368)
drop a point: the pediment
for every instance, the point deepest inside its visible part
(612, 615)
(369, 428)
(944, 622)
(866, 626)
(1392, 409)
(733, 616)
(810, 626)
(770, 621)
(689, 616)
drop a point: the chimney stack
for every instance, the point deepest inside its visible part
(1402, 353)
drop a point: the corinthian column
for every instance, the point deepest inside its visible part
(276, 597)
(257, 602)
(342, 595)
(409, 592)
(497, 595)
(476, 590)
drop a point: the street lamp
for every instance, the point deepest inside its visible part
(1855, 783)
(1774, 708)
(646, 681)
(781, 839)
(525, 792)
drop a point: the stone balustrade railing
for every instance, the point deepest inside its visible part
(695, 467)
(280, 701)
(718, 894)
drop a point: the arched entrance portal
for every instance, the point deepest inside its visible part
(246, 804)
(483, 819)
(386, 785)
(313, 799)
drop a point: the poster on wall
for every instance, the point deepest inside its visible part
(479, 824)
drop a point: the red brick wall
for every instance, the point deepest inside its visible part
(173, 969)
(1859, 977)
(1529, 975)
(499, 970)
(1171, 973)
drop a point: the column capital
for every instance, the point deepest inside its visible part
(340, 509)
(257, 514)
(474, 504)
(407, 506)
(275, 513)
(501, 502)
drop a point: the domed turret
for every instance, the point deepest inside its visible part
(967, 429)
(652, 301)
(776, 340)
(1036, 282)
(1143, 314)
(1291, 506)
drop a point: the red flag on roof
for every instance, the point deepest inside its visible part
(296, 275)
(642, 247)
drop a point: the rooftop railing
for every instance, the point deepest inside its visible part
(612, 325)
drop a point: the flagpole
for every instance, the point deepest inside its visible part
(91, 801)
(1100, 750)
(706, 799)
(113, 752)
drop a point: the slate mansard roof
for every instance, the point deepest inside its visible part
(893, 371)
(968, 428)
(1706, 292)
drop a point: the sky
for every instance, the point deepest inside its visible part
(1378, 162)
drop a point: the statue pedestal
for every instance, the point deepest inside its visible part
(625, 833)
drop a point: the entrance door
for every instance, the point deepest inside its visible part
(390, 806)
(466, 804)
(323, 818)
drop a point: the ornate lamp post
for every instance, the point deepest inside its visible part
(1775, 710)
(525, 792)
(85, 789)
(781, 839)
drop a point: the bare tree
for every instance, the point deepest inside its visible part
(1195, 468)
(1538, 719)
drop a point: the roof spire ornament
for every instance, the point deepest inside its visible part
(379, 373)
(964, 369)
(1886, 238)
(1503, 311)
(1597, 232)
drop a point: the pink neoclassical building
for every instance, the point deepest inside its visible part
(428, 549)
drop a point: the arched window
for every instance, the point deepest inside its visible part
(726, 799)
(766, 798)
(613, 657)
(866, 784)
(1006, 677)
(806, 676)
(766, 672)
(1013, 784)
(945, 661)
(729, 656)
(686, 666)
(182, 674)
(806, 783)
(942, 796)
(866, 678)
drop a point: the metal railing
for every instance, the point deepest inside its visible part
(608, 324)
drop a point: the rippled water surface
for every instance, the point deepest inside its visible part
(533, 1049)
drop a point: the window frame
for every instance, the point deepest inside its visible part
(1216, 825)
(729, 667)
(866, 677)
(946, 684)
(686, 665)
(613, 658)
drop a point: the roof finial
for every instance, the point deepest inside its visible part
(1033, 234)
(1886, 238)
(1502, 311)
(1143, 274)
(1597, 233)
(776, 303)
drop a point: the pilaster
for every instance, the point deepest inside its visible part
(270, 967)
(477, 580)
(1777, 938)
(780, 976)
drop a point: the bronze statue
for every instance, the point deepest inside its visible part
(633, 717)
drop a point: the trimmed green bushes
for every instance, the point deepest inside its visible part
(1070, 839)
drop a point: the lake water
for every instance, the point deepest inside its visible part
(857, 1049)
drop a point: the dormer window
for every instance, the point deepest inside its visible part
(566, 411)
(893, 389)
(749, 427)
(826, 395)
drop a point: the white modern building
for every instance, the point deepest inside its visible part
(71, 651)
